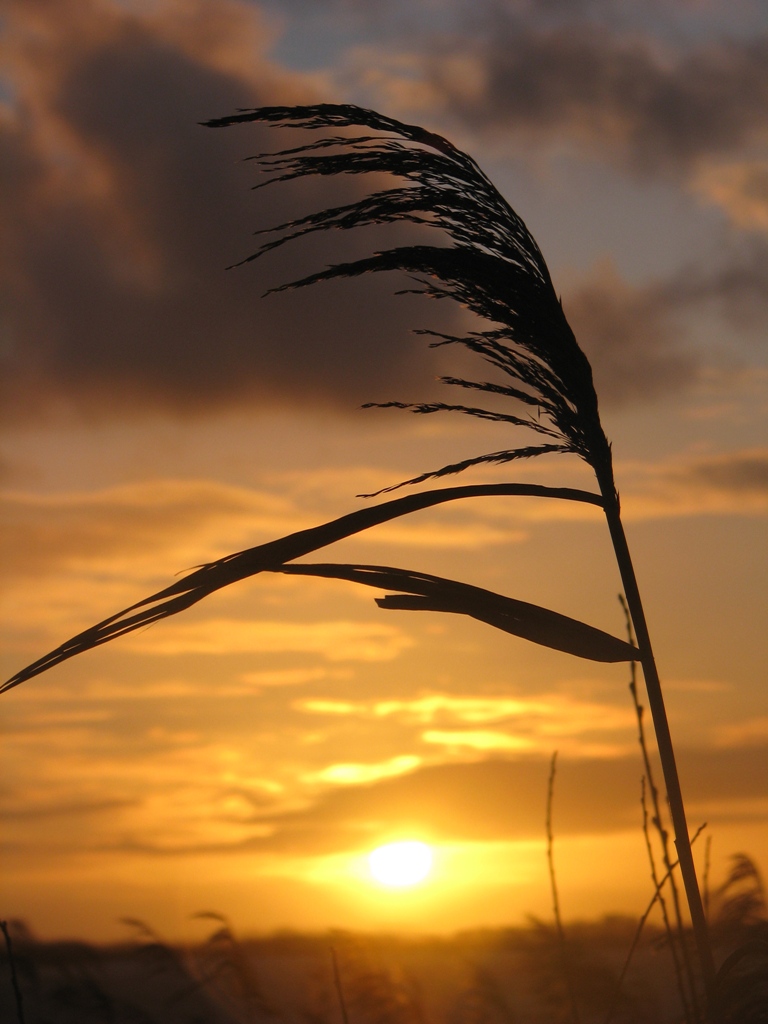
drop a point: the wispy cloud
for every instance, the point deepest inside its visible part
(631, 335)
(124, 528)
(734, 483)
(334, 640)
(137, 531)
(355, 774)
(287, 677)
(505, 799)
(520, 724)
(753, 732)
(741, 189)
(478, 739)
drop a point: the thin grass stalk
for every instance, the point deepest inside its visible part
(687, 997)
(639, 930)
(664, 839)
(705, 878)
(564, 959)
(14, 977)
(684, 992)
(338, 986)
(663, 737)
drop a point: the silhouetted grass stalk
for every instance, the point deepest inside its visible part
(678, 937)
(657, 895)
(663, 740)
(705, 878)
(338, 986)
(561, 941)
(14, 977)
(686, 985)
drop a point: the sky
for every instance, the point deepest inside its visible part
(157, 411)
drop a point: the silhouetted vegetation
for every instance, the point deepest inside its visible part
(492, 266)
(490, 976)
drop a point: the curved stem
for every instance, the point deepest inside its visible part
(663, 740)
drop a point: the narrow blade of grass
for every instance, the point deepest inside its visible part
(423, 592)
(270, 556)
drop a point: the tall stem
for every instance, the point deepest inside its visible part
(663, 740)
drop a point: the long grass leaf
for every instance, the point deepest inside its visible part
(270, 556)
(424, 592)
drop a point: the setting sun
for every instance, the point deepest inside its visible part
(401, 864)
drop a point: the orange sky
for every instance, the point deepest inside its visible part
(158, 413)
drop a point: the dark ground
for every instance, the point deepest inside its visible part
(503, 976)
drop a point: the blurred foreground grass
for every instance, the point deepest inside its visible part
(498, 976)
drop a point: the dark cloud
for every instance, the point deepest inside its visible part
(488, 800)
(637, 337)
(496, 800)
(506, 800)
(120, 214)
(631, 337)
(741, 473)
(623, 96)
(737, 288)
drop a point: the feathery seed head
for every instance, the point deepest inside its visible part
(494, 267)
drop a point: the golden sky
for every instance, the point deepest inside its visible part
(157, 413)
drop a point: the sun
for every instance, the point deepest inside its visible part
(401, 864)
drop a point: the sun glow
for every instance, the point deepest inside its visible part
(398, 865)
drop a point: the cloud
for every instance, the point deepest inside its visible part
(117, 526)
(744, 474)
(639, 338)
(505, 799)
(736, 288)
(334, 640)
(74, 557)
(741, 189)
(630, 335)
(355, 774)
(743, 734)
(555, 714)
(648, 108)
(520, 724)
(465, 537)
(255, 681)
(733, 483)
(430, 707)
(70, 558)
(120, 213)
(477, 739)
(729, 483)
(125, 529)
(246, 684)
(164, 786)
